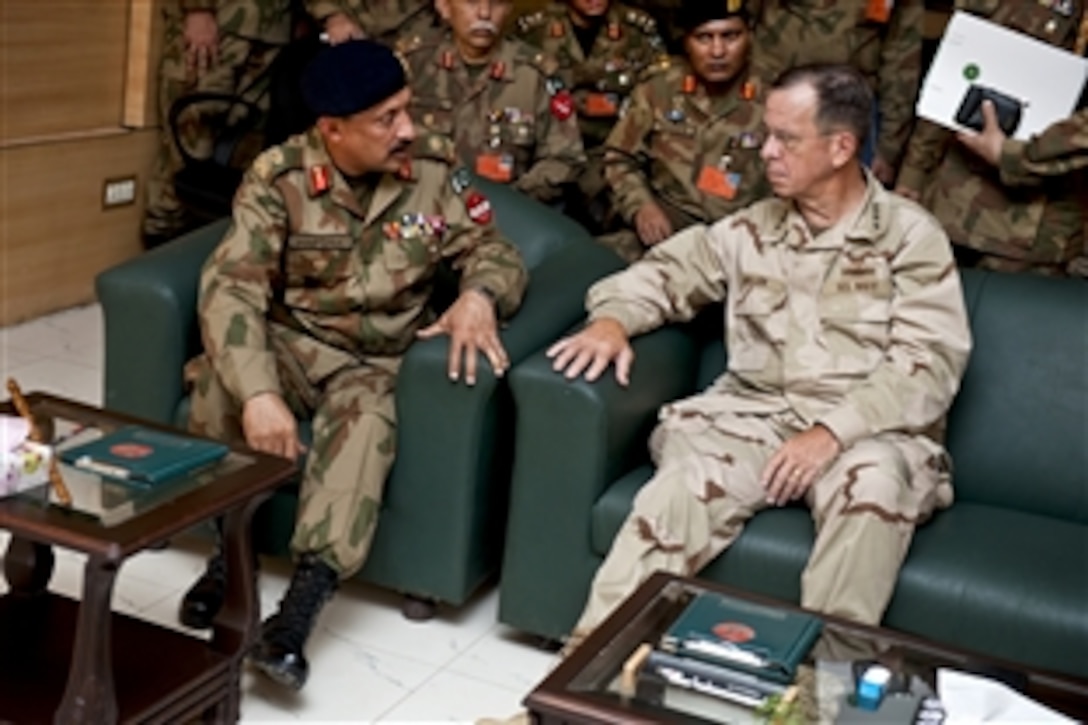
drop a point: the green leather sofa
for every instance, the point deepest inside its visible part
(1004, 571)
(441, 526)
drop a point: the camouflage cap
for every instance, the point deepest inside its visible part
(693, 14)
(350, 77)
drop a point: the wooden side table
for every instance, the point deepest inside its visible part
(78, 661)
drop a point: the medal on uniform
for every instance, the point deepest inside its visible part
(479, 208)
(748, 90)
(459, 180)
(675, 115)
(615, 32)
(319, 179)
(689, 84)
(562, 105)
(391, 230)
(498, 70)
(553, 85)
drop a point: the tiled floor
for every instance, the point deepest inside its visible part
(368, 663)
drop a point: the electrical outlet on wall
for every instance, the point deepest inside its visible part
(118, 192)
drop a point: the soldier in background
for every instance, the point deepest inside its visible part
(310, 301)
(1010, 205)
(666, 13)
(602, 48)
(383, 20)
(881, 38)
(216, 46)
(510, 117)
(847, 339)
(687, 149)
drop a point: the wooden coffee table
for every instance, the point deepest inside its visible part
(71, 661)
(585, 687)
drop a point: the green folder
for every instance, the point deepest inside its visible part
(142, 456)
(766, 641)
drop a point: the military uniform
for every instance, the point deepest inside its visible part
(665, 13)
(860, 328)
(315, 293)
(600, 81)
(251, 32)
(1030, 212)
(695, 155)
(383, 20)
(512, 120)
(882, 40)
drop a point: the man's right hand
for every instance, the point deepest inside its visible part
(340, 29)
(592, 350)
(201, 37)
(270, 427)
(652, 225)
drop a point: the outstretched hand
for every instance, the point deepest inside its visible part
(603, 342)
(470, 323)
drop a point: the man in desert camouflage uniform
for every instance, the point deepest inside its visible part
(383, 20)
(213, 46)
(602, 48)
(1010, 205)
(847, 339)
(512, 120)
(687, 149)
(319, 287)
(881, 39)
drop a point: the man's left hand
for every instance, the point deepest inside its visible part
(798, 463)
(989, 142)
(470, 323)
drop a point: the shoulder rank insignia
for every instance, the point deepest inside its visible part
(319, 177)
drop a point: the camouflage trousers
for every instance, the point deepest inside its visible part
(241, 62)
(354, 441)
(707, 486)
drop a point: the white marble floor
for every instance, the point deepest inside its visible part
(368, 663)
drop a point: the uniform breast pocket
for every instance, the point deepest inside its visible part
(857, 327)
(759, 323)
(672, 138)
(405, 264)
(320, 280)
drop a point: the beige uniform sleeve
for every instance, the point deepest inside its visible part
(626, 153)
(929, 344)
(235, 288)
(670, 284)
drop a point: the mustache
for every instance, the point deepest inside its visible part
(485, 25)
(401, 146)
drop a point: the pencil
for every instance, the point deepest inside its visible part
(55, 479)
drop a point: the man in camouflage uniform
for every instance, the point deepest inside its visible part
(512, 120)
(383, 20)
(881, 39)
(847, 339)
(687, 148)
(319, 287)
(215, 46)
(1010, 205)
(602, 48)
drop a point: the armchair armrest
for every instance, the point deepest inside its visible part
(573, 439)
(151, 328)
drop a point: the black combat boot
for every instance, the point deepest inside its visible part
(205, 598)
(278, 652)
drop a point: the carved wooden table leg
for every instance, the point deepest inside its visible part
(89, 696)
(28, 566)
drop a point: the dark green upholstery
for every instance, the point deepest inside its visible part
(442, 522)
(1004, 571)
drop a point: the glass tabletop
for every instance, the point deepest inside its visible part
(110, 502)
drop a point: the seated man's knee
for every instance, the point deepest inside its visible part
(874, 472)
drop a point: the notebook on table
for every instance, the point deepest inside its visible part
(142, 456)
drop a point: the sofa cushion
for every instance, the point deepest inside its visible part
(1018, 430)
(1009, 583)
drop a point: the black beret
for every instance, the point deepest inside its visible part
(351, 77)
(694, 14)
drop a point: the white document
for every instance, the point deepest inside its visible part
(972, 699)
(1046, 79)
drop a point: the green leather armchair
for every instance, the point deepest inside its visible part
(441, 526)
(1004, 571)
